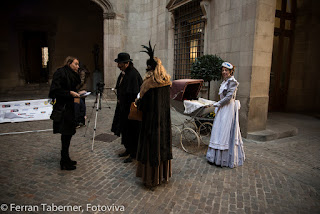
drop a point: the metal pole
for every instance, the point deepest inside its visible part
(95, 121)
(89, 118)
(12, 133)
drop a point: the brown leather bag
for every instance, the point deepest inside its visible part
(135, 114)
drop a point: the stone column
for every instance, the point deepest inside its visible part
(170, 44)
(256, 42)
(205, 7)
(113, 43)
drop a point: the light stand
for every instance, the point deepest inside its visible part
(89, 118)
(95, 120)
(97, 105)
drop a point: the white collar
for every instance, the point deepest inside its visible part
(224, 84)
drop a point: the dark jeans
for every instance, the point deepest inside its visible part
(130, 137)
(80, 111)
(65, 144)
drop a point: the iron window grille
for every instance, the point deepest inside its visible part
(188, 38)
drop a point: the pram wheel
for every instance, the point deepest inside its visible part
(189, 140)
(190, 124)
(176, 132)
(204, 131)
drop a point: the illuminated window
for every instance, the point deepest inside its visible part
(279, 2)
(193, 50)
(188, 38)
(45, 56)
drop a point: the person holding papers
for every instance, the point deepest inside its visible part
(63, 91)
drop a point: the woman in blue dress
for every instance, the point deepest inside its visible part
(226, 146)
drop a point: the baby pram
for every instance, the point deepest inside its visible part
(192, 124)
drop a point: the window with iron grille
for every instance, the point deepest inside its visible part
(188, 38)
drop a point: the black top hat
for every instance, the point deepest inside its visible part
(123, 57)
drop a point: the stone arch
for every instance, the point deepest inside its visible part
(108, 12)
(112, 25)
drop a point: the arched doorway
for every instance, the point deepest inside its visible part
(41, 34)
(35, 56)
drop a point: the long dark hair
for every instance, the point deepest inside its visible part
(69, 60)
(130, 65)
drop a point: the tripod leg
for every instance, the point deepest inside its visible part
(100, 96)
(95, 122)
(89, 118)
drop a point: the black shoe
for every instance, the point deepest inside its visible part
(72, 162)
(151, 188)
(128, 160)
(124, 154)
(68, 160)
(210, 163)
(66, 166)
(79, 125)
(65, 158)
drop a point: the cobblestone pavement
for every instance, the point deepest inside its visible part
(281, 176)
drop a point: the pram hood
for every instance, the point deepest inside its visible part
(185, 89)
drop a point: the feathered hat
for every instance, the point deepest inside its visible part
(151, 63)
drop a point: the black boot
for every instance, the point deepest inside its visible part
(66, 166)
(128, 160)
(65, 162)
(72, 162)
(124, 154)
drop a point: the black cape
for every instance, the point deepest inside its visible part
(64, 80)
(155, 136)
(127, 91)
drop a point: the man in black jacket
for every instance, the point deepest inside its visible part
(128, 86)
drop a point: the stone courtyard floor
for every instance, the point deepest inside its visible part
(281, 176)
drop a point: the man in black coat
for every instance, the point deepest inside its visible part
(128, 86)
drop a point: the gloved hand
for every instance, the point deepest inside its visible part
(136, 101)
(216, 104)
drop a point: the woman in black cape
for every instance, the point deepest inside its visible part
(154, 152)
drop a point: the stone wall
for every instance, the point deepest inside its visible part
(242, 32)
(136, 22)
(238, 31)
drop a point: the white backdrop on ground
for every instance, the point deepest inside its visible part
(25, 110)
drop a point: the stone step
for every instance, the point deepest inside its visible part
(274, 130)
